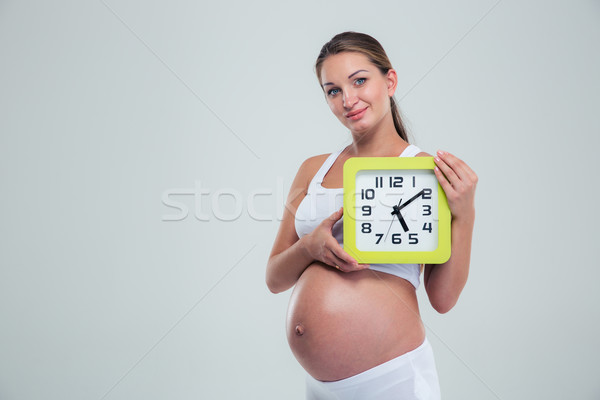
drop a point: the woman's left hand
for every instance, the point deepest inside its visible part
(458, 181)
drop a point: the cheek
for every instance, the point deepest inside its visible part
(333, 106)
(381, 98)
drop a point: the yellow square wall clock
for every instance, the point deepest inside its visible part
(395, 211)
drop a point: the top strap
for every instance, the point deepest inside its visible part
(318, 178)
(410, 151)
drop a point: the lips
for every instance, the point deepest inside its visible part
(356, 114)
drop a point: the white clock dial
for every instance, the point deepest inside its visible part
(396, 210)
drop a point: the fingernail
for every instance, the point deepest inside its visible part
(441, 153)
(437, 159)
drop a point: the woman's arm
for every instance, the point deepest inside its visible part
(445, 282)
(290, 255)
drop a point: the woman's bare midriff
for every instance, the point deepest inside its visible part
(340, 324)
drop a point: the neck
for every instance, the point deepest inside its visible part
(380, 141)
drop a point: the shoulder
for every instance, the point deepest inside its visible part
(423, 154)
(305, 174)
(310, 166)
(414, 151)
(315, 161)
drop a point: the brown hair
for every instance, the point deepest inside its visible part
(372, 49)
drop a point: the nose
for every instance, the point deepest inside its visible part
(350, 99)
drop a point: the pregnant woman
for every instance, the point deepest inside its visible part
(356, 328)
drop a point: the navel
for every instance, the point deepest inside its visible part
(299, 330)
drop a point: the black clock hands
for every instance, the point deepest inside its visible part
(397, 213)
(399, 207)
(416, 196)
(391, 223)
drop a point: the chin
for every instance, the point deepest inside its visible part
(359, 128)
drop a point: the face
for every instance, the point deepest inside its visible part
(356, 90)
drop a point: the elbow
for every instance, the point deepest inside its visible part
(276, 281)
(442, 308)
(273, 288)
(270, 282)
(273, 285)
(442, 299)
(442, 305)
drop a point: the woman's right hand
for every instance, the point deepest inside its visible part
(322, 246)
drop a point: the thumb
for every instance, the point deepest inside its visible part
(333, 218)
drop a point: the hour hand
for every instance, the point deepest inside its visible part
(397, 213)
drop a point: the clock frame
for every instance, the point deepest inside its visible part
(386, 176)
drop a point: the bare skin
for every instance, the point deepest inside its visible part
(340, 324)
(342, 317)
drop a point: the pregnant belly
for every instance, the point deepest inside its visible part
(340, 324)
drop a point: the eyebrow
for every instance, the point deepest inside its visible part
(349, 76)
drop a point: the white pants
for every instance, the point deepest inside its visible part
(411, 376)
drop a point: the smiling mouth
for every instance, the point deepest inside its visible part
(355, 113)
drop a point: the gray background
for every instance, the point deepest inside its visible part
(111, 110)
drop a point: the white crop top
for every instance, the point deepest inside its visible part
(319, 203)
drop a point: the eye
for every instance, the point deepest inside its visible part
(333, 92)
(360, 81)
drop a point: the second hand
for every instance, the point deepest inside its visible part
(388, 231)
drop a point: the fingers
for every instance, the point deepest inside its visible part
(341, 257)
(325, 248)
(449, 165)
(457, 168)
(333, 218)
(442, 180)
(458, 181)
(342, 265)
(444, 173)
(346, 268)
(333, 254)
(455, 171)
(357, 268)
(343, 261)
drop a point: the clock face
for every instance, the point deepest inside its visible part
(396, 210)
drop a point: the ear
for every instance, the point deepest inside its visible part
(392, 81)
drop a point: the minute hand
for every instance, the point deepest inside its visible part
(416, 196)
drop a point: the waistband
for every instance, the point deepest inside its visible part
(379, 370)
